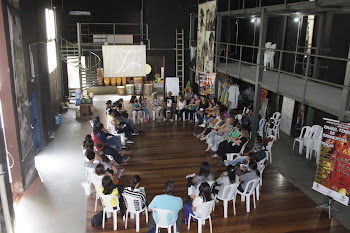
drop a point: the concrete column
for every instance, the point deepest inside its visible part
(260, 71)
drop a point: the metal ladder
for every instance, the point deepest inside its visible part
(180, 56)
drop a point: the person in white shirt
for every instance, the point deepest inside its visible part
(180, 107)
(204, 196)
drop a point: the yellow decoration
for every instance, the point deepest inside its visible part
(342, 191)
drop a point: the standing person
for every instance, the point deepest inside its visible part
(204, 196)
(168, 106)
(192, 107)
(143, 102)
(136, 109)
(156, 105)
(180, 107)
(167, 201)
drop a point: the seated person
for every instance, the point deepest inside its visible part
(108, 139)
(167, 201)
(99, 156)
(135, 190)
(204, 196)
(108, 105)
(242, 161)
(156, 105)
(136, 109)
(189, 95)
(204, 104)
(180, 107)
(119, 105)
(260, 153)
(100, 146)
(232, 147)
(210, 112)
(215, 137)
(101, 171)
(252, 174)
(192, 107)
(118, 127)
(109, 188)
(226, 178)
(169, 106)
(91, 157)
(143, 102)
(204, 175)
(214, 125)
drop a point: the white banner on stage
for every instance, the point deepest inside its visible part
(172, 84)
(124, 60)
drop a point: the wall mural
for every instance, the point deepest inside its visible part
(205, 38)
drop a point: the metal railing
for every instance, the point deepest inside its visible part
(248, 4)
(138, 31)
(88, 72)
(303, 73)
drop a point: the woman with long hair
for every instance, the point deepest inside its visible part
(204, 175)
(214, 138)
(143, 102)
(252, 174)
(136, 109)
(180, 107)
(228, 177)
(204, 196)
(136, 191)
(109, 188)
(156, 105)
(201, 110)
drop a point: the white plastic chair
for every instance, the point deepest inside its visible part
(230, 155)
(276, 116)
(269, 147)
(315, 134)
(261, 170)
(108, 208)
(261, 163)
(261, 127)
(163, 219)
(317, 142)
(133, 206)
(246, 194)
(112, 131)
(133, 113)
(97, 181)
(206, 208)
(230, 190)
(275, 130)
(239, 118)
(304, 132)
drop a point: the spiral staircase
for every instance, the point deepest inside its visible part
(69, 53)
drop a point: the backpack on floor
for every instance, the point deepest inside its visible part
(97, 219)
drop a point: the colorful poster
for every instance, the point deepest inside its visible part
(333, 172)
(207, 84)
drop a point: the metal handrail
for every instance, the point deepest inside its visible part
(286, 51)
(305, 77)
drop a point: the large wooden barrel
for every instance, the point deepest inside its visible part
(147, 89)
(138, 85)
(119, 81)
(129, 89)
(121, 90)
(114, 81)
(107, 81)
(123, 81)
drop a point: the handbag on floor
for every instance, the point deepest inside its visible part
(97, 219)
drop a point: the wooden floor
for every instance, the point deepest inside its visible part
(169, 151)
